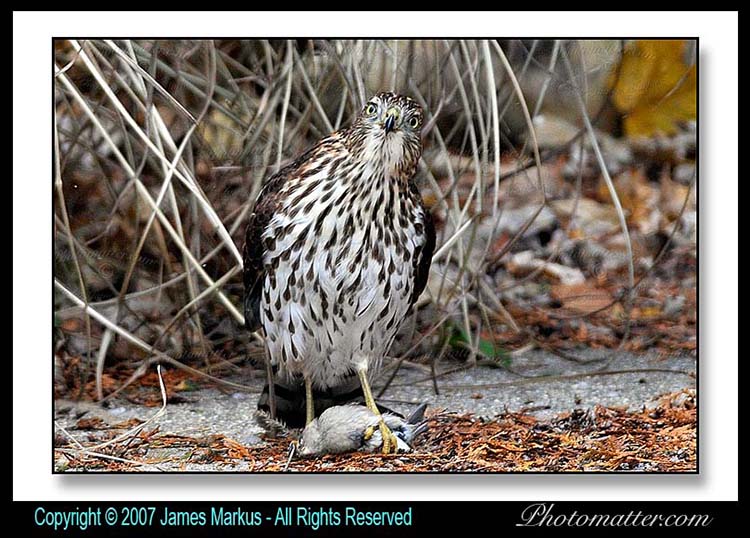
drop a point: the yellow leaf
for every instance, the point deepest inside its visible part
(222, 134)
(655, 89)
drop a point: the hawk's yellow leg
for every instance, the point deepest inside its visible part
(309, 404)
(390, 443)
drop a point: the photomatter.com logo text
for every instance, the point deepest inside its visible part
(544, 515)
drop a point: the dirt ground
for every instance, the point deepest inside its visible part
(630, 413)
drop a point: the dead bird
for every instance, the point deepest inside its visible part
(350, 428)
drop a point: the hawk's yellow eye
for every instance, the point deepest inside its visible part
(414, 122)
(371, 109)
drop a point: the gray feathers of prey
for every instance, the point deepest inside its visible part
(342, 429)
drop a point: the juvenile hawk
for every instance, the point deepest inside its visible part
(337, 250)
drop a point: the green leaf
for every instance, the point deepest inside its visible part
(491, 350)
(487, 348)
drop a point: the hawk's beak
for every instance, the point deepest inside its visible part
(390, 120)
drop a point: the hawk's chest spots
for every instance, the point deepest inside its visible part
(343, 249)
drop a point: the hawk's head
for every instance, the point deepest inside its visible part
(387, 132)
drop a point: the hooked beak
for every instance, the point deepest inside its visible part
(390, 121)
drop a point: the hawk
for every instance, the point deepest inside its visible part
(337, 250)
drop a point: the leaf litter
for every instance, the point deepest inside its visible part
(657, 438)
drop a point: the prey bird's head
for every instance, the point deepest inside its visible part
(388, 132)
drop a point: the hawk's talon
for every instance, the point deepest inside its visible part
(394, 440)
(369, 432)
(390, 444)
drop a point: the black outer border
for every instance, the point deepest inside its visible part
(421, 473)
(429, 518)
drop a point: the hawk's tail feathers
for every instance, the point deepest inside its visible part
(290, 402)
